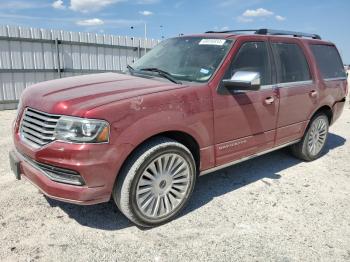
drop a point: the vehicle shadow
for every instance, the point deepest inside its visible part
(107, 217)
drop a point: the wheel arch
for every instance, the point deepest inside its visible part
(327, 110)
(179, 136)
(185, 139)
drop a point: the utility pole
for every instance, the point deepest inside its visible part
(145, 37)
(145, 28)
(161, 32)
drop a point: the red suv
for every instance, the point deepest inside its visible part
(192, 105)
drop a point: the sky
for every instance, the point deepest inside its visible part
(168, 18)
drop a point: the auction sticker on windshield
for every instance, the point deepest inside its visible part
(212, 42)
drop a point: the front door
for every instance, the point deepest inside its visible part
(245, 122)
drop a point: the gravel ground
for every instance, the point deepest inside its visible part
(273, 208)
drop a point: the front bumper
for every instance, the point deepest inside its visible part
(97, 164)
(82, 195)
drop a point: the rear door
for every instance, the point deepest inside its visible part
(297, 89)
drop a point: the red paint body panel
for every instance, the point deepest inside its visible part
(337, 110)
(226, 127)
(296, 106)
(77, 95)
(237, 149)
(241, 115)
(290, 133)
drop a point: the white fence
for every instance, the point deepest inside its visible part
(31, 55)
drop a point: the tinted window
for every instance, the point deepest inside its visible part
(328, 61)
(292, 65)
(252, 57)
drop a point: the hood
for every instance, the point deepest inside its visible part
(76, 95)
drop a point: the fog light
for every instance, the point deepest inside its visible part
(59, 174)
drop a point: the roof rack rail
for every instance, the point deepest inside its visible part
(231, 31)
(265, 31)
(283, 32)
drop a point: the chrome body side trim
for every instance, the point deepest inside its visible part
(210, 170)
(266, 87)
(335, 79)
(292, 84)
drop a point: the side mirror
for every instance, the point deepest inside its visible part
(243, 80)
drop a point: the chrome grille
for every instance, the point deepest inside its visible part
(38, 127)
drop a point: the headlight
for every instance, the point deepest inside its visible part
(81, 130)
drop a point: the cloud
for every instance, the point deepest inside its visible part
(223, 28)
(226, 3)
(17, 5)
(107, 23)
(178, 4)
(235, 3)
(38, 18)
(90, 22)
(260, 12)
(250, 15)
(242, 19)
(58, 4)
(146, 13)
(123, 22)
(280, 18)
(90, 5)
(147, 2)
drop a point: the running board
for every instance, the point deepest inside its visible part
(204, 172)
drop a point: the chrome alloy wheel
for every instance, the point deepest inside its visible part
(317, 136)
(163, 185)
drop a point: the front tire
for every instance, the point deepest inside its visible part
(314, 140)
(156, 182)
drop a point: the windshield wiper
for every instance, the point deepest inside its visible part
(162, 73)
(131, 69)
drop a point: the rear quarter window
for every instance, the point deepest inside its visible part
(328, 61)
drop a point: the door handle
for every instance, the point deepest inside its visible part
(269, 100)
(313, 93)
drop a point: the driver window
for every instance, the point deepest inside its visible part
(252, 57)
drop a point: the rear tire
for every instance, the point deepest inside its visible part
(315, 138)
(156, 182)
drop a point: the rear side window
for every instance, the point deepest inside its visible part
(328, 61)
(292, 63)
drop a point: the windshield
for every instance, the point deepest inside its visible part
(186, 58)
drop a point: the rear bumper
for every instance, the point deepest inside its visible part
(82, 195)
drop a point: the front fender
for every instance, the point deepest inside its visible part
(133, 121)
(166, 119)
